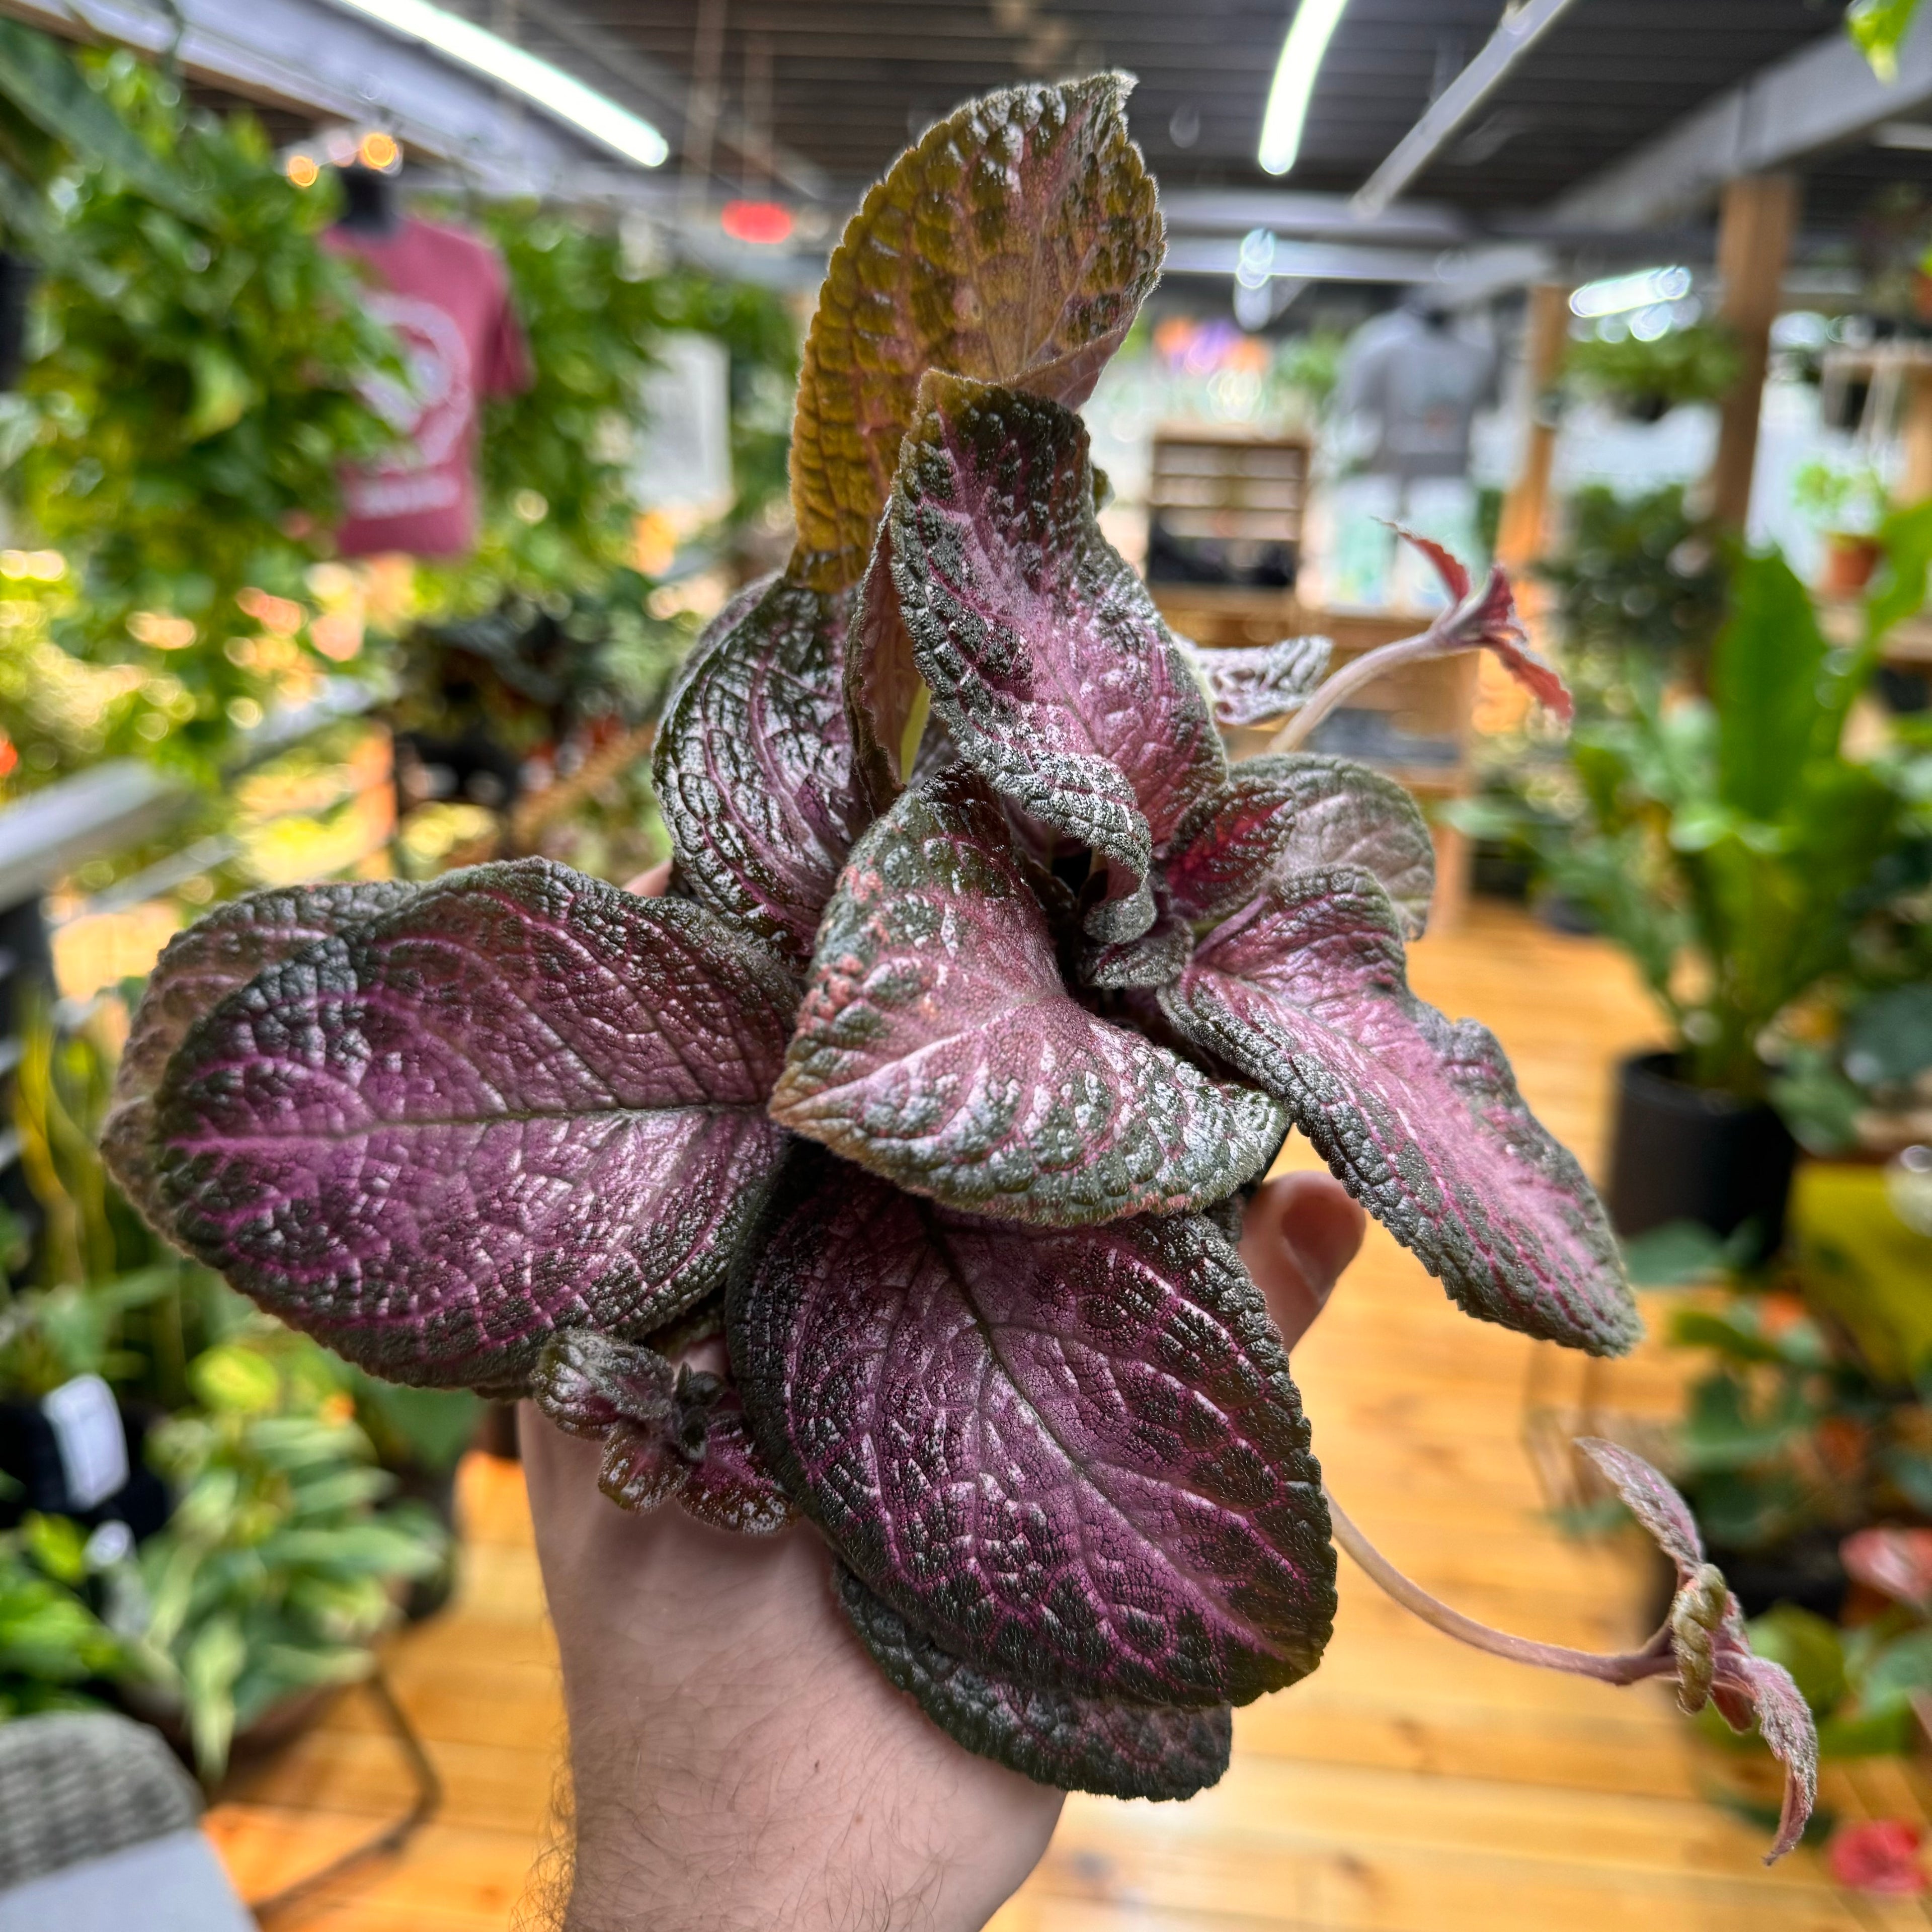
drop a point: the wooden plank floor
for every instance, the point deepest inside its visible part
(1411, 1785)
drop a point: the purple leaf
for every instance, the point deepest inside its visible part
(1653, 1500)
(1300, 812)
(1305, 993)
(754, 766)
(1074, 1458)
(1710, 1646)
(885, 695)
(526, 1102)
(1485, 620)
(1066, 1738)
(1046, 658)
(670, 1432)
(1154, 959)
(1248, 684)
(938, 1046)
(1785, 1723)
(197, 970)
(1014, 243)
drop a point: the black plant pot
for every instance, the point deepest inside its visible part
(1687, 1154)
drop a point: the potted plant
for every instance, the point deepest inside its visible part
(982, 989)
(276, 1573)
(1648, 377)
(1847, 504)
(255, 1507)
(1806, 1426)
(1729, 842)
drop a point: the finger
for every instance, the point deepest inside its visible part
(651, 885)
(1300, 1231)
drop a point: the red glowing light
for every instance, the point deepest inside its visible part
(764, 222)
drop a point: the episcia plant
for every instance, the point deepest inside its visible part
(983, 990)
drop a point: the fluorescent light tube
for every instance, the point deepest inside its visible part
(549, 87)
(1302, 52)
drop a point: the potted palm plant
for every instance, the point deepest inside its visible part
(1726, 839)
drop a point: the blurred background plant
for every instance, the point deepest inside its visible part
(1726, 839)
(1647, 376)
(192, 390)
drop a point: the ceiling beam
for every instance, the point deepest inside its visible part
(315, 58)
(1519, 30)
(1822, 95)
(1458, 274)
(1236, 211)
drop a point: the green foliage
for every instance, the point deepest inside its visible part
(1847, 499)
(1695, 364)
(194, 392)
(1726, 843)
(52, 1645)
(1793, 1432)
(1636, 573)
(1880, 27)
(274, 1573)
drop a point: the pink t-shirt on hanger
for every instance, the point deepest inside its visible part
(446, 295)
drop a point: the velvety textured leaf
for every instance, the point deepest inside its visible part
(1073, 1458)
(1014, 243)
(1651, 1499)
(1247, 684)
(1486, 619)
(1154, 959)
(1062, 1738)
(1047, 661)
(669, 1433)
(199, 968)
(1785, 1723)
(754, 767)
(1300, 812)
(1305, 993)
(937, 1045)
(885, 696)
(525, 1102)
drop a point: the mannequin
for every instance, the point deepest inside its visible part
(370, 204)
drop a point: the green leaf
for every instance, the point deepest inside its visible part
(236, 1379)
(213, 1661)
(58, 1545)
(1014, 245)
(222, 391)
(1668, 1256)
(1810, 1648)
(1879, 27)
(1898, 1670)
(40, 80)
(1764, 672)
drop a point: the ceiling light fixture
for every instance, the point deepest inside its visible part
(1616, 294)
(1302, 53)
(551, 88)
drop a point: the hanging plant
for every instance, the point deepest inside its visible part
(196, 389)
(983, 990)
(1698, 364)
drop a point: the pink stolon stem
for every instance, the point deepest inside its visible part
(1629, 1667)
(1351, 678)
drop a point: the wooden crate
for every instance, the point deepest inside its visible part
(1225, 503)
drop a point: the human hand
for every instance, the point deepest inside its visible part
(737, 1758)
